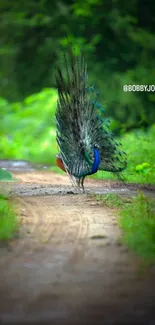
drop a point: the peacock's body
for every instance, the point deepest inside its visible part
(84, 140)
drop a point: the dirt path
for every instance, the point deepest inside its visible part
(67, 266)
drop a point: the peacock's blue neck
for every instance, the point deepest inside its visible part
(96, 161)
(95, 164)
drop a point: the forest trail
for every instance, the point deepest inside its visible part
(67, 266)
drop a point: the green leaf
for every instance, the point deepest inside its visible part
(5, 175)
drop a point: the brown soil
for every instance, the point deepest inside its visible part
(67, 266)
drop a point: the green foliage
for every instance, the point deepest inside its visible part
(5, 175)
(140, 149)
(111, 200)
(28, 128)
(117, 39)
(137, 220)
(138, 223)
(8, 220)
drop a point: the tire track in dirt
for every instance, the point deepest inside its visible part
(53, 238)
(68, 267)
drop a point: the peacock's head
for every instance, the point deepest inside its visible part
(96, 146)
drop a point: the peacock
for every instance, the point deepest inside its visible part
(85, 142)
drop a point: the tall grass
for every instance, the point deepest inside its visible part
(136, 218)
(8, 220)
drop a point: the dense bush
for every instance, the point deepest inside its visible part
(28, 128)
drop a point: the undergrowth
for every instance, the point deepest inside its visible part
(8, 220)
(140, 149)
(137, 221)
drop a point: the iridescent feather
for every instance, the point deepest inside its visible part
(84, 140)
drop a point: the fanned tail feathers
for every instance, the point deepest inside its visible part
(79, 121)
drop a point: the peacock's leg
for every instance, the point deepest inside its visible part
(82, 184)
(78, 182)
(78, 185)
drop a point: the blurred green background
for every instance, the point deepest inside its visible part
(117, 39)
